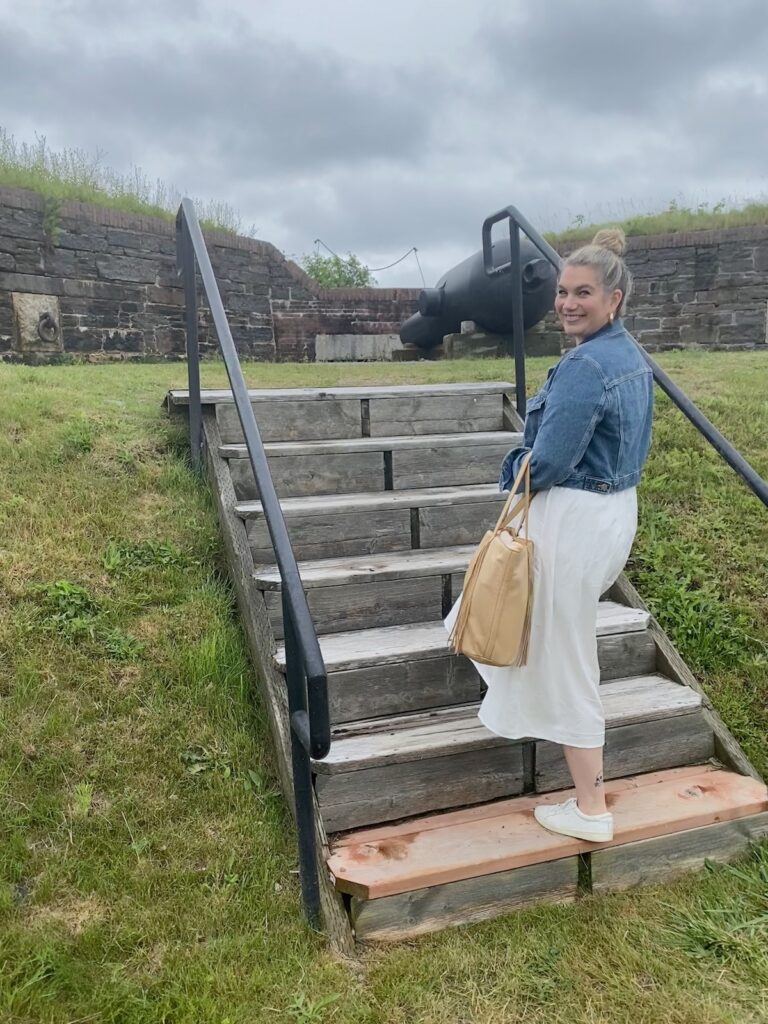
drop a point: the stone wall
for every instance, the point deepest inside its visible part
(79, 281)
(700, 288)
(107, 281)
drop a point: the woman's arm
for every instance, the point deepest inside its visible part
(574, 406)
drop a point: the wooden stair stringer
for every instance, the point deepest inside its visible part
(261, 643)
(670, 661)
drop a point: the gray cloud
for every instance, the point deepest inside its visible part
(265, 104)
(406, 125)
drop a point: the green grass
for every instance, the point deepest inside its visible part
(147, 858)
(674, 219)
(73, 174)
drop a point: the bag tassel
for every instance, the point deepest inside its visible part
(522, 654)
(461, 619)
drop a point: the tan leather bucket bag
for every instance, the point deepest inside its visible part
(493, 626)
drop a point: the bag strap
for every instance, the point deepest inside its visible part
(525, 471)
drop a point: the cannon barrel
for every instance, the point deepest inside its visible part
(467, 293)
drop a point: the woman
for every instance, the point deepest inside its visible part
(589, 430)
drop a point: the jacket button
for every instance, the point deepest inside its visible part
(604, 487)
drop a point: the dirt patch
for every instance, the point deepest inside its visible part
(73, 915)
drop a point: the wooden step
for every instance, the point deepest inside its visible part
(398, 669)
(397, 565)
(179, 397)
(424, 640)
(338, 525)
(479, 862)
(374, 464)
(296, 414)
(392, 768)
(453, 730)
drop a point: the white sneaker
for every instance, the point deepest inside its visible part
(567, 820)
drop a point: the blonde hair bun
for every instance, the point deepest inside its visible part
(611, 238)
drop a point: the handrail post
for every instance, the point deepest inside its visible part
(302, 768)
(518, 326)
(185, 259)
(511, 215)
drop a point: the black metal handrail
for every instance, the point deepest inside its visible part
(306, 676)
(518, 223)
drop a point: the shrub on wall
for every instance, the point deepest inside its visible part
(335, 272)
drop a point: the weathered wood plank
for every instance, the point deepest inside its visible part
(289, 420)
(401, 688)
(411, 641)
(370, 837)
(669, 661)
(504, 835)
(208, 396)
(661, 859)
(399, 565)
(433, 467)
(413, 685)
(336, 535)
(364, 503)
(407, 915)
(642, 747)
(340, 446)
(298, 475)
(357, 605)
(444, 414)
(441, 526)
(397, 791)
(271, 682)
(456, 730)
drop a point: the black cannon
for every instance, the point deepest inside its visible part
(467, 293)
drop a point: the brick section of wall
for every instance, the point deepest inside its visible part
(298, 321)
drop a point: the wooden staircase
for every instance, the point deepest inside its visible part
(424, 816)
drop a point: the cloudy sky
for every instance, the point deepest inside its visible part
(380, 126)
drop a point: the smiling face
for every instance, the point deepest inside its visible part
(582, 304)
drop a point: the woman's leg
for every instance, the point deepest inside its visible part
(586, 767)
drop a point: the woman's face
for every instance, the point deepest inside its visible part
(582, 304)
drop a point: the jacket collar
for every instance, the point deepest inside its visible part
(607, 328)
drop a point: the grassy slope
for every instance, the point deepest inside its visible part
(147, 861)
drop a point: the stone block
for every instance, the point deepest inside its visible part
(83, 339)
(127, 268)
(345, 348)
(761, 257)
(83, 242)
(746, 334)
(479, 345)
(37, 323)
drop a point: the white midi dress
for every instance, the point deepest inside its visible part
(582, 540)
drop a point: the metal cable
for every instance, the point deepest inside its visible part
(375, 270)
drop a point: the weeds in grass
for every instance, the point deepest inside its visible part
(308, 1011)
(77, 438)
(126, 558)
(733, 930)
(82, 799)
(71, 612)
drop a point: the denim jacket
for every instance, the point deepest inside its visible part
(589, 427)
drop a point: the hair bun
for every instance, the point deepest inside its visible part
(611, 238)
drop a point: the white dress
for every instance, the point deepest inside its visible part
(582, 540)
